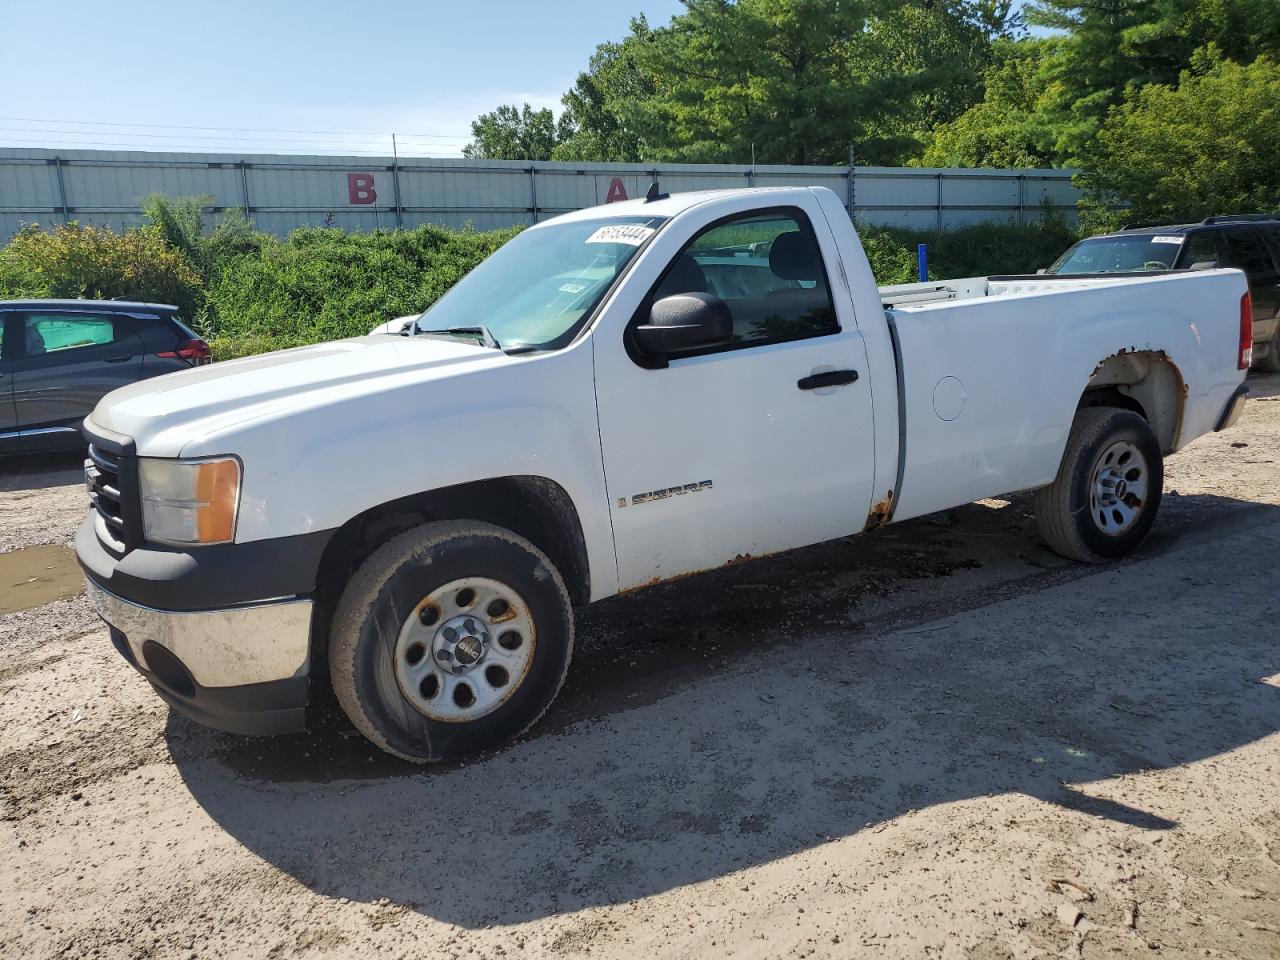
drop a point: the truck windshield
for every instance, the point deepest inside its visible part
(538, 288)
(1132, 253)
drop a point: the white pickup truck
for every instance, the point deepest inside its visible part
(618, 396)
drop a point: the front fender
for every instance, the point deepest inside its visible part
(317, 468)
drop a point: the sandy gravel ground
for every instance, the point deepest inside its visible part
(939, 740)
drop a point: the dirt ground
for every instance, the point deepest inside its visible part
(938, 740)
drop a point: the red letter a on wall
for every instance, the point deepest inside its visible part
(616, 191)
(360, 188)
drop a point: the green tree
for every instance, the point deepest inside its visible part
(1018, 120)
(941, 51)
(1162, 45)
(792, 81)
(776, 74)
(515, 133)
(596, 108)
(1210, 145)
(1111, 48)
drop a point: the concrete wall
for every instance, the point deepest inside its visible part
(362, 193)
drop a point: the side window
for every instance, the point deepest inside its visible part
(50, 333)
(1248, 251)
(1201, 247)
(767, 269)
(1273, 237)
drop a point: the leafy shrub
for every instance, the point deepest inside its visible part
(75, 260)
(982, 249)
(180, 220)
(260, 293)
(321, 283)
(892, 255)
(1210, 145)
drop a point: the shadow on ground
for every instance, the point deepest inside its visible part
(1263, 386)
(738, 717)
(41, 471)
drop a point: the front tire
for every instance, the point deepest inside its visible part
(450, 639)
(1107, 493)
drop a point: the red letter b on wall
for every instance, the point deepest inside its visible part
(360, 188)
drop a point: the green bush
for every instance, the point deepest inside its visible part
(75, 260)
(1210, 145)
(321, 284)
(181, 221)
(260, 293)
(982, 249)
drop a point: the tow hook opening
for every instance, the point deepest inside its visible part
(168, 670)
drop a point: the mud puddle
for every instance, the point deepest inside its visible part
(34, 576)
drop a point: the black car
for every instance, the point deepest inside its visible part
(58, 358)
(1248, 243)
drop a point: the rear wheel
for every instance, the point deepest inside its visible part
(1107, 492)
(451, 639)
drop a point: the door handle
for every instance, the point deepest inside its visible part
(119, 359)
(832, 378)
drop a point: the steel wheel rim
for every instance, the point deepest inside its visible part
(464, 649)
(1118, 488)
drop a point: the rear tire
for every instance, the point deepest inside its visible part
(450, 639)
(1107, 492)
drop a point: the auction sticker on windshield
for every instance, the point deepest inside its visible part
(632, 234)
(1166, 239)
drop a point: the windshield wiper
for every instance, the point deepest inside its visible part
(479, 330)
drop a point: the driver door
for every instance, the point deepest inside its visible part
(733, 450)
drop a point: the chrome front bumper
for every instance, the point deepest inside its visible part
(236, 646)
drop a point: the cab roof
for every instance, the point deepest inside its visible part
(666, 205)
(1173, 228)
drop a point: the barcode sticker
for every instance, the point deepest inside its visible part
(1166, 239)
(631, 234)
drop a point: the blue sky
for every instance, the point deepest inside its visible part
(421, 69)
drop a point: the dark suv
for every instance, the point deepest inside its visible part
(58, 358)
(1248, 243)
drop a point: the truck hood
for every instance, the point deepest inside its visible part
(168, 414)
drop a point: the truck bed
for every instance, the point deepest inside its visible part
(990, 369)
(970, 288)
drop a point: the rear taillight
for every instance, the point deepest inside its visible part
(1246, 332)
(193, 351)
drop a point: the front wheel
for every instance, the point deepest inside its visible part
(1108, 488)
(450, 639)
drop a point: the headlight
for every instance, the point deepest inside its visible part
(189, 501)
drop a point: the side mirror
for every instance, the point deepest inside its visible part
(1042, 271)
(1206, 265)
(683, 321)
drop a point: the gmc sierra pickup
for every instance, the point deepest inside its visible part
(618, 396)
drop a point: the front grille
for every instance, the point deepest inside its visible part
(111, 478)
(102, 477)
